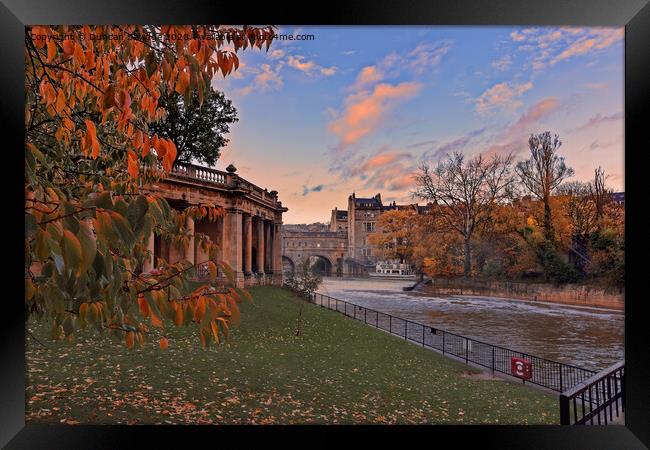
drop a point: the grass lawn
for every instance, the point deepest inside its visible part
(339, 372)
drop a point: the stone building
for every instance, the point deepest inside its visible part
(248, 234)
(345, 249)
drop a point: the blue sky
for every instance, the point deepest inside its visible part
(358, 108)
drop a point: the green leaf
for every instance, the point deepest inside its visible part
(55, 229)
(100, 200)
(70, 222)
(98, 264)
(136, 213)
(121, 225)
(155, 211)
(38, 155)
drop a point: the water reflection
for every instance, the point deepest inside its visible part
(587, 337)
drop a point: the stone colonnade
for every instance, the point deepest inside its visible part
(250, 244)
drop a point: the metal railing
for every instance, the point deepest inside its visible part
(597, 400)
(550, 374)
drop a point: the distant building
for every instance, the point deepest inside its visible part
(344, 246)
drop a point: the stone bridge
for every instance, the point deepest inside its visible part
(329, 246)
(248, 234)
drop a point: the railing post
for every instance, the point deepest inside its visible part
(443, 342)
(623, 391)
(466, 350)
(561, 385)
(365, 315)
(564, 410)
(390, 324)
(493, 364)
(406, 323)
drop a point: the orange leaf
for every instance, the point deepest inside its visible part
(108, 100)
(155, 320)
(144, 306)
(137, 139)
(79, 54)
(38, 36)
(123, 99)
(200, 309)
(161, 146)
(215, 330)
(68, 46)
(51, 50)
(178, 319)
(133, 166)
(164, 343)
(145, 145)
(129, 338)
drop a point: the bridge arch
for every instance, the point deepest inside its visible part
(321, 264)
(288, 266)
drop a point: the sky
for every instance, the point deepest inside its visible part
(358, 109)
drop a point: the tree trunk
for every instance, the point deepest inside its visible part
(468, 259)
(548, 221)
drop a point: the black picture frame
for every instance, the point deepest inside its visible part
(633, 14)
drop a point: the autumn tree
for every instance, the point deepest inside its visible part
(396, 237)
(89, 151)
(467, 190)
(438, 248)
(543, 173)
(198, 130)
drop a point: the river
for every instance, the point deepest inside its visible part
(592, 338)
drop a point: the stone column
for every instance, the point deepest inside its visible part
(260, 245)
(189, 249)
(277, 253)
(268, 265)
(248, 244)
(232, 240)
(148, 264)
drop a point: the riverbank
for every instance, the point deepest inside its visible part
(338, 372)
(569, 294)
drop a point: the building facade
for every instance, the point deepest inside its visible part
(346, 248)
(248, 234)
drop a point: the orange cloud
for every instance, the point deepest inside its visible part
(502, 95)
(364, 111)
(298, 62)
(597, 40)
(368, 75)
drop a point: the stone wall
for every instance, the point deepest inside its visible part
(570, 294)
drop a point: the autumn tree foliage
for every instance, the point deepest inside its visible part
(92, 93)
(543, 172)
(466, 191)
(483, 221)
(395, 236)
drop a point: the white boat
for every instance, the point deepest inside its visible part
(395, 270)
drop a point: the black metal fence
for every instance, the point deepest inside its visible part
(550, 374)
(597, 400)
